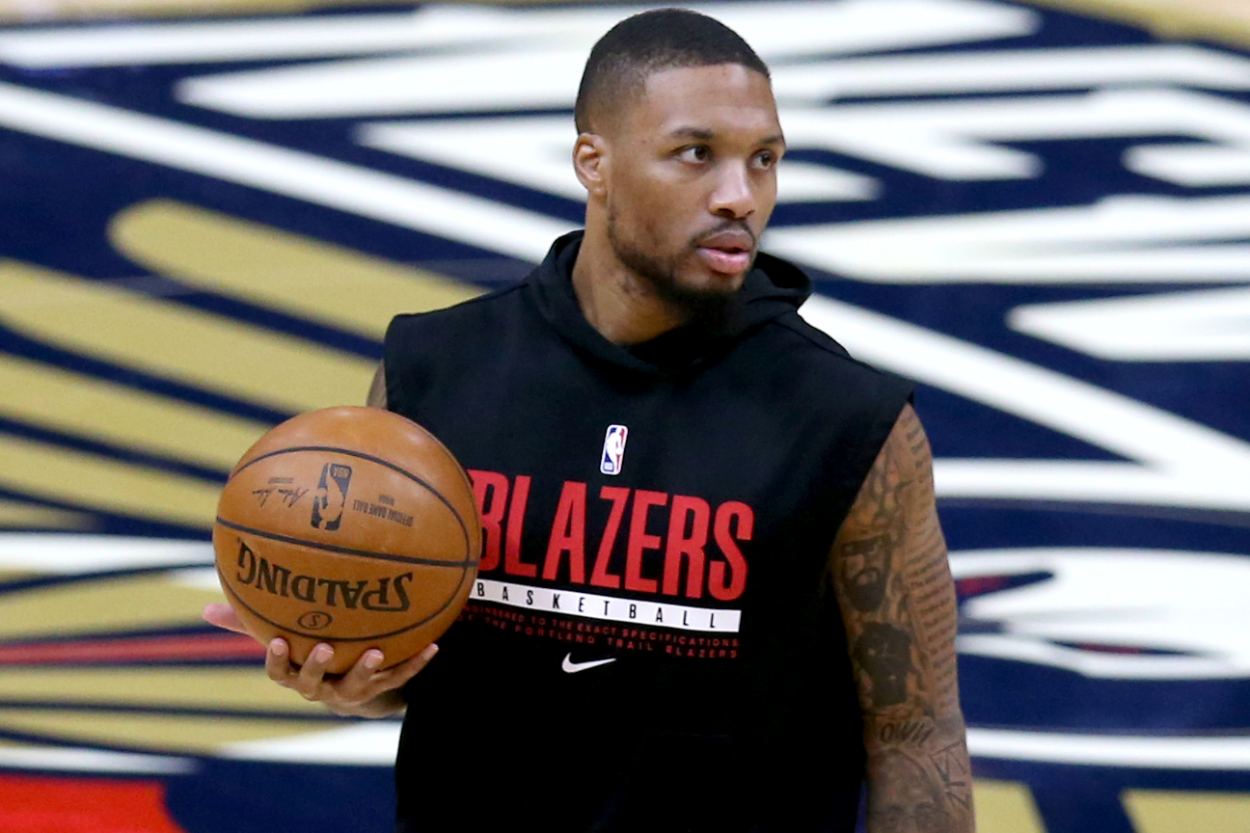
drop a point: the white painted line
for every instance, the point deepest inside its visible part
(1184, 463)
(42, 552)
(1136, 752)
(1079, 68)
(246, 40)
(798, 27)
(364, 744)
(368, 193)
(73, 759)
(1169, 615)
(1205, 325)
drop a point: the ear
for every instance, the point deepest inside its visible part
(590, 163)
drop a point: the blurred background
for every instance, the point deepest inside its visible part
(1038, 210)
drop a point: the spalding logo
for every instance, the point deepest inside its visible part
(386, 594)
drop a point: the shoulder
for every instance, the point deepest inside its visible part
(423, 347)
(813, 353)
(478, 324)
(501, 302)
(906, 449)
(852, 404)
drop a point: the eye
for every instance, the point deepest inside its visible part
(695, 153)
(766, 159)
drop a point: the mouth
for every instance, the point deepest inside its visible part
(728, 251)
(726, 260)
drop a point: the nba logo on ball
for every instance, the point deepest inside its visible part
(331, 496)
(613, 449)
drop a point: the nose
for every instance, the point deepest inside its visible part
(734, 194)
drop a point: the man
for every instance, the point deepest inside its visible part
(714, 594)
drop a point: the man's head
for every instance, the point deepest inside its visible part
(678, 145)
(617, 69)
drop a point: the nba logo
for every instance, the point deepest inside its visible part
(613, 449)
(331, 496)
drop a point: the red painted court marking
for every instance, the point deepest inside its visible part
(150, 649)
(74, 805)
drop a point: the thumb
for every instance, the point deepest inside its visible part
(223, 616)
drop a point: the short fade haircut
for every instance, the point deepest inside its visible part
(638, 46)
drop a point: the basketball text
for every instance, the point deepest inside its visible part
(381, 510)
(386, 594)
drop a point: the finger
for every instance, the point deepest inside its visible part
(313, 671)
(406, 670)
(278, 662)
(357, 682)
(223, 616)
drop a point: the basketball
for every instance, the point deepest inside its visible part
(352, 526)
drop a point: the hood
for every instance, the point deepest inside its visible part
(772, 288)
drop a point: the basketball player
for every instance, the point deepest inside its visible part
(714, 594)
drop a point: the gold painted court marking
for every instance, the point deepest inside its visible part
(102, 605)
(18, 514)
(1226, 20)
(298, 275)
(53, 472)
(1005, 807)
(1164, 811)
(99, 409)
(229, 688)
(165, 733)
(103, 320)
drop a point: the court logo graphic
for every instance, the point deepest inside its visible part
(613, 456)
(331, 496)
(1096, 296)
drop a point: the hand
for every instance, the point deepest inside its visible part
(362, 692)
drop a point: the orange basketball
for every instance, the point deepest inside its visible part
(352, 526)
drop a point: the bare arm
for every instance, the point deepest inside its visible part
(893, 583)
(377, 389)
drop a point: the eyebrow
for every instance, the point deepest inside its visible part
(705, 135)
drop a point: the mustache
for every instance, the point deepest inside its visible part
(728, 225)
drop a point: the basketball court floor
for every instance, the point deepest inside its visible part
(1039, 211)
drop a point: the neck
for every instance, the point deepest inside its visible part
(622, 306)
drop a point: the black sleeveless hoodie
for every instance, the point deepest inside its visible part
(668, 508)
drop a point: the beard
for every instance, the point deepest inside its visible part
(660, 274)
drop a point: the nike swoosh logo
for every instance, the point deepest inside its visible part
(571, 667)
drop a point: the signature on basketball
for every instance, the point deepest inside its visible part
(290, 496)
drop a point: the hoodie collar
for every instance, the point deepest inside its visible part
(772, 288)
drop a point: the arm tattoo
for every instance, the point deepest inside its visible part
(891, 577)
(884, 654)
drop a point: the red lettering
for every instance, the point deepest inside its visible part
(512, 563)
(694, 514)
(640, 541)
(568, 534)
(495, 486)
(725, 539)
(601, 577)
